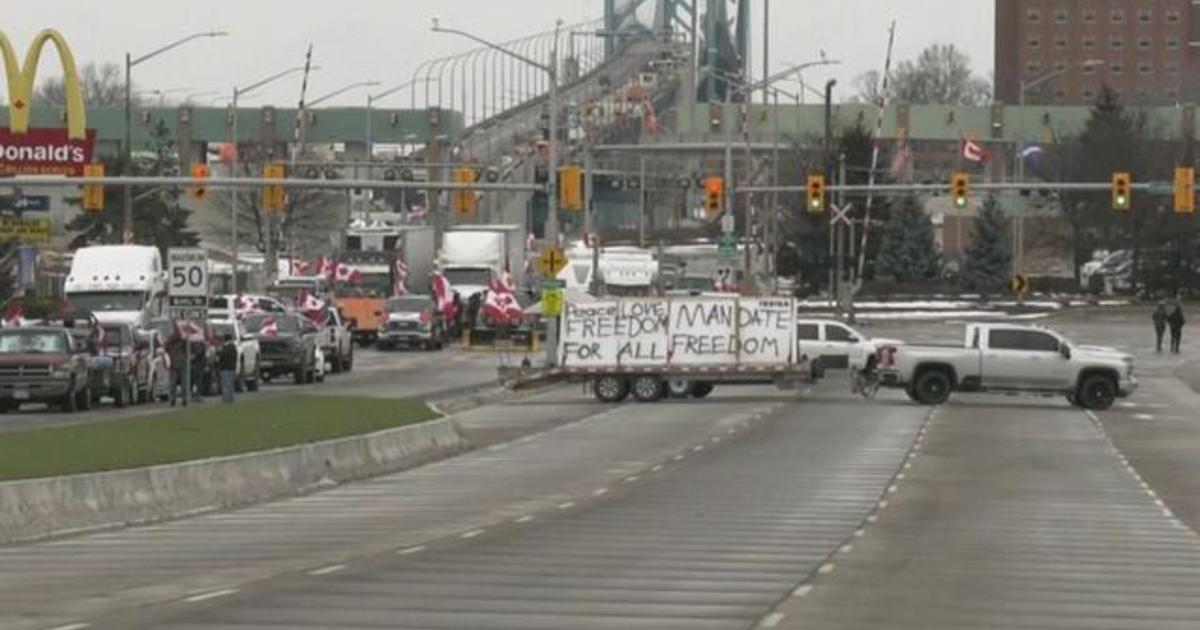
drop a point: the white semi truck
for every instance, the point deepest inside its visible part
(655, 347)
(473, 255)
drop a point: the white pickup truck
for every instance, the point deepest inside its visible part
(1010, 358)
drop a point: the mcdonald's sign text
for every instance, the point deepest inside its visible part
(44, 151)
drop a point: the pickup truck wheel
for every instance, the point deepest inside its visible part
(648, 388)
(702, 389)
(1097, 392)
(932, 387)
(611, 389)
(121, 396)
(336, 363)
(70, 402)
(83, 400)
(680, 387)
(348, 362)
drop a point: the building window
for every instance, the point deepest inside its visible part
(1060, 66)
(1033, 67)
(1089, 42)
(1116, 43)
(1089, 16)
(1172, 16)
(1033, 15)
(1035, 41)
(1117, 16)
(1172, 43)
(1061, 16)
(1116, 67)
(1173, 94)
(1089, 68)
(1060, 93)
(1143, 43)
(1145, 16)
(1145, 68)
(1171, 67)
(1089, 94)
(1060, 41)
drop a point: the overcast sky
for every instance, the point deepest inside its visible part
(384, 40)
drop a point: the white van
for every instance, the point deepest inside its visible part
(121, 284)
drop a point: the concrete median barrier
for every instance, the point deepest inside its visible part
(40, 508)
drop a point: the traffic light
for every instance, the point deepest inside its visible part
(570, 188)
(960, 188)
(463, 199)
(273, 197)
(1185, 190)
(199, 191)
(714, 194)
(1121, 192)
(93, 194)
(816, 194)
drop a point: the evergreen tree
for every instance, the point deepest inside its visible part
(907, 248)
(158, 218)
(987, 258)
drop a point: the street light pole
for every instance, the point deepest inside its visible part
(127, 149)
(234, 166)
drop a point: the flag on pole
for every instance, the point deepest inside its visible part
(974, 152)
(443, 294)
(399, 277)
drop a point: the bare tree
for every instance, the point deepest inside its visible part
(940, 75)
(102, 86)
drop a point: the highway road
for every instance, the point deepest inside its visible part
(754, 508)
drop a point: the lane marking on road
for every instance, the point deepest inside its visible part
(72, 626)
(771, 620)
(471, 534)
(872, 518)
(657, 467)
(715, 439)
(203, 597)
(333, 568)
(411, 550)
(497, 447)
(523, 519)
(883, 504)
(599, 492)
(899, 476)
(730, 431)
(828, 567)
(566, 506)
(802, 590)
(697, 448)
(892, 488)
(846, 548)
(860, 532)
(678, 458)
(632, 479)
(1143, 416)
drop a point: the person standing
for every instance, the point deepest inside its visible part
(227, 363)
(177, 354)
(1160, 325)
(1175, 321)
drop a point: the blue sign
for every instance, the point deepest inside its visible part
(26, 203)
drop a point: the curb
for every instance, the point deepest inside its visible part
(35, 509)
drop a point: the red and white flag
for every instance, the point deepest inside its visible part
(974, 152)
(245, 304)
(346, 274)
(300, 267)
(269, 328)
(502, 307)
(14, 317)
(399, 278)
(443, 294)
(326, 267)
(503, 283)
(530, 242)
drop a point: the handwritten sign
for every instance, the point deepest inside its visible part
(693, 332)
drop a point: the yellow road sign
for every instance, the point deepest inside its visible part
(551, 262)
(1019, 285)
(26, 230)
(552, 302)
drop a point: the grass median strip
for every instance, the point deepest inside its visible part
(199, 432)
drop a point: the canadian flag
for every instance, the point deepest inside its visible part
(326, 267)
(300, 267)
(399, 278)
(269, 328)
(189, 330)
(530, 242)
(973, 152)
(503, 283)
(309, 304)
(245, 304)
(502, 307)
(14, 317)
(443, 295)
(347, 274)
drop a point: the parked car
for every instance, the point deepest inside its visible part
(411, 320)
(836, 345)
(247, 349)
(43, 364)
(1012, 359)
(101, 372)
(219, 305)
(132, 364)
(288, 345)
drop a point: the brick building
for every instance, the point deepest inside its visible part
(1147, 50)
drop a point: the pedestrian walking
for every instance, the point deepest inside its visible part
(227, 360)
(177, 353)
(1160, 325)
(1175, 321)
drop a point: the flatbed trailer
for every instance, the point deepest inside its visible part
(652, 348)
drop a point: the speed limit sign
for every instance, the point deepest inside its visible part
(187, 282)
